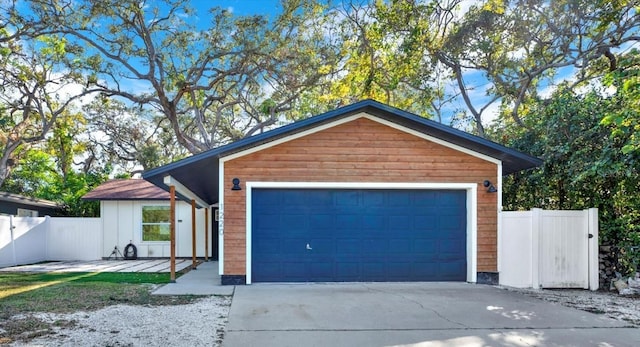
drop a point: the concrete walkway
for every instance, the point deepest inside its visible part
(204, 280)
(149, 265)
(411, 314)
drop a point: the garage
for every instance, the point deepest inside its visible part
(365, 192)
(349, 235)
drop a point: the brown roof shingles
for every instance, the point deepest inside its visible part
(127, 189)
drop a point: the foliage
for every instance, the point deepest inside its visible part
(36, 175)
(206, 79)
(34, 92)
(583, 167)
(431, 56)
(625, 121)
(128, 137)
(48, 171)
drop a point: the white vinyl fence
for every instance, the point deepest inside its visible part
(27, 240)
(74, 239)
(549, 249)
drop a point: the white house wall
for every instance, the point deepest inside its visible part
(122, 223)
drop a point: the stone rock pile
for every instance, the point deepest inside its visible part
(607, 265)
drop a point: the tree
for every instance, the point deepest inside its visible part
(493, 52)
(212, 85)
(48, 169)
(583, 167)
(128, 137)
(625, 119)
(373, 62)
(34, 92)
(521, 45)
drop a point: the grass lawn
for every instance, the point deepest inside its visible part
(22, 294)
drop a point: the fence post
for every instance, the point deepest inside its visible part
(13, 240)
(536, 215)
(47, 232)
(594, 249)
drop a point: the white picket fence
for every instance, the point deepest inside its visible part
(549, 249)
(27, 240)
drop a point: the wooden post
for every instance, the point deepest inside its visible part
(206, 234)
(193, 233)
(172, 231)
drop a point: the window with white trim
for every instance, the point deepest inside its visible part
(155, 223)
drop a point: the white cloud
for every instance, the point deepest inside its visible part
(491, 113)
(464, 6)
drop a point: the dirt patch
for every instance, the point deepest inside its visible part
(609, 304)
(200, 323)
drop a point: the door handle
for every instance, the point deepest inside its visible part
(309, 247)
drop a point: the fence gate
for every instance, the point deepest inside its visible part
(549, 249)
(564, 256)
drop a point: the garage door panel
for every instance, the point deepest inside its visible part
(347, 271)
(291, 246)
(347, 221)
(426, 270)
(451, 246)
(371, 269)
(294, 220)
(347, 246)
(269, 269)
(346, 198)
(374, 199)
(358, 235)
(425, 245)
(426, 223)
(292, 271)
(266, 221)
(321, 271)
(424, 199)
(321, 221)
(373, 222)
(423, 258)
(454, 269)
(400, 272)
(399, 221)
(268, 247)
(400, 246)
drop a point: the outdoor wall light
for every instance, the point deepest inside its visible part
(490, 187)
(236, 184)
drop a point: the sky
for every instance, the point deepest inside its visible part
(241, 7)
(474, 80)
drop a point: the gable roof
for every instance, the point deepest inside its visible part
(189, 171)
(126, 189)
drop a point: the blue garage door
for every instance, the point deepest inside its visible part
(337, 235)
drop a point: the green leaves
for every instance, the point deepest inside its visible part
(584, 164)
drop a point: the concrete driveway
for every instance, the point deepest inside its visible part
(413, 314)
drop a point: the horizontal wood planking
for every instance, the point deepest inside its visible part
(359, 151)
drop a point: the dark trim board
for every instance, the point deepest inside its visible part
(492, 278)
(233, 280)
